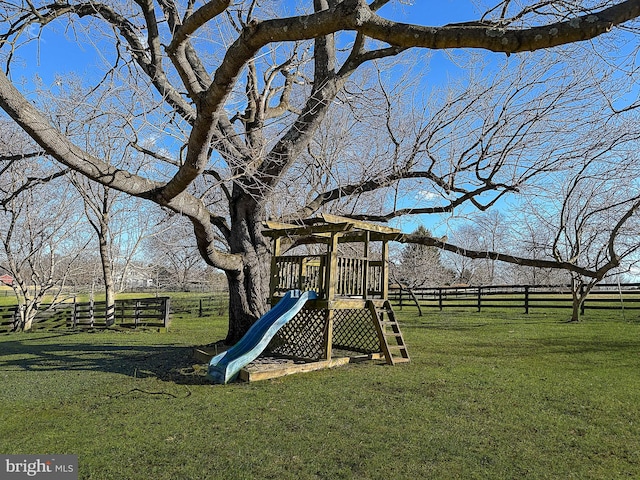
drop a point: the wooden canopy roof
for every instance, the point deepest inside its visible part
(320, 229)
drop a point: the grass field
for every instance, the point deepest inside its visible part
(489, 396)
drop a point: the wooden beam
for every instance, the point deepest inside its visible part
(271, 225)
(249, 374)
(372, 227)
(314, 230)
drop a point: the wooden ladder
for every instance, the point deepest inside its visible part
(391, 339)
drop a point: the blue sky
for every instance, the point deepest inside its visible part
(55, 52)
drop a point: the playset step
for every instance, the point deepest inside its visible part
(391, 339)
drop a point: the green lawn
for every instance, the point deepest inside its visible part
(491, 395)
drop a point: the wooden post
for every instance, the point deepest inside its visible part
(365, 274)
(479, 298)
(526, 299)
(74, 314)
(301, 273)
(328, 333)
(321, 276)
(165, 311)
(440, 298)
(385, 270)
(273, 281)
(200, 308)
(332, 268)
(582, 306)
(136, 313)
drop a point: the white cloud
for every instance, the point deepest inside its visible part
(428, 196)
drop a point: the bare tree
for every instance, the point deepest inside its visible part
(170, 248)
(98, 123)
(487, 231)
(466, 270)
(418, 266)
(246, 86)
(530, 239)
(594, 221)
(98, 207)
(39, 235)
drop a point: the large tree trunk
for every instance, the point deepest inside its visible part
(249, 288)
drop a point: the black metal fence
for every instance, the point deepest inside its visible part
(524, 297)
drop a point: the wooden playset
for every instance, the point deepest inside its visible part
(351, 319)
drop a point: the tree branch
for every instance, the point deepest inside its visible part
(475, 254)
(496, 38)
(64, 151)
(30, 183)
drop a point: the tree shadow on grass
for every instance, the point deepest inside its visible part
(166, 362)
(465, 326)
(567, 344)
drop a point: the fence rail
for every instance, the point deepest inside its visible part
(525, 297)
(128, 313)
(146, 312)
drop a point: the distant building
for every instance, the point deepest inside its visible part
(136, 277)
(6, 279)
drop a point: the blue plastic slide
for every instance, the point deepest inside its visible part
(224, 367)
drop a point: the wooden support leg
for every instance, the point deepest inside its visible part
(328, 334)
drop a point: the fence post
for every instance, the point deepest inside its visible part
(400, 290)
(440, 298)
(526, 299)
(136, 313)
(165, 311)
(200, 309)
(74, 313)
(479, 298)
(584, 300)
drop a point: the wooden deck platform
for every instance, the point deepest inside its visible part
(267, 366)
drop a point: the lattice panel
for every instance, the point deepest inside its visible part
(354, 330)
(302, 336)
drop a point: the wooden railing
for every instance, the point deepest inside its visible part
(351, 279)
(309, 273)
(376, 279)
(298, 272)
